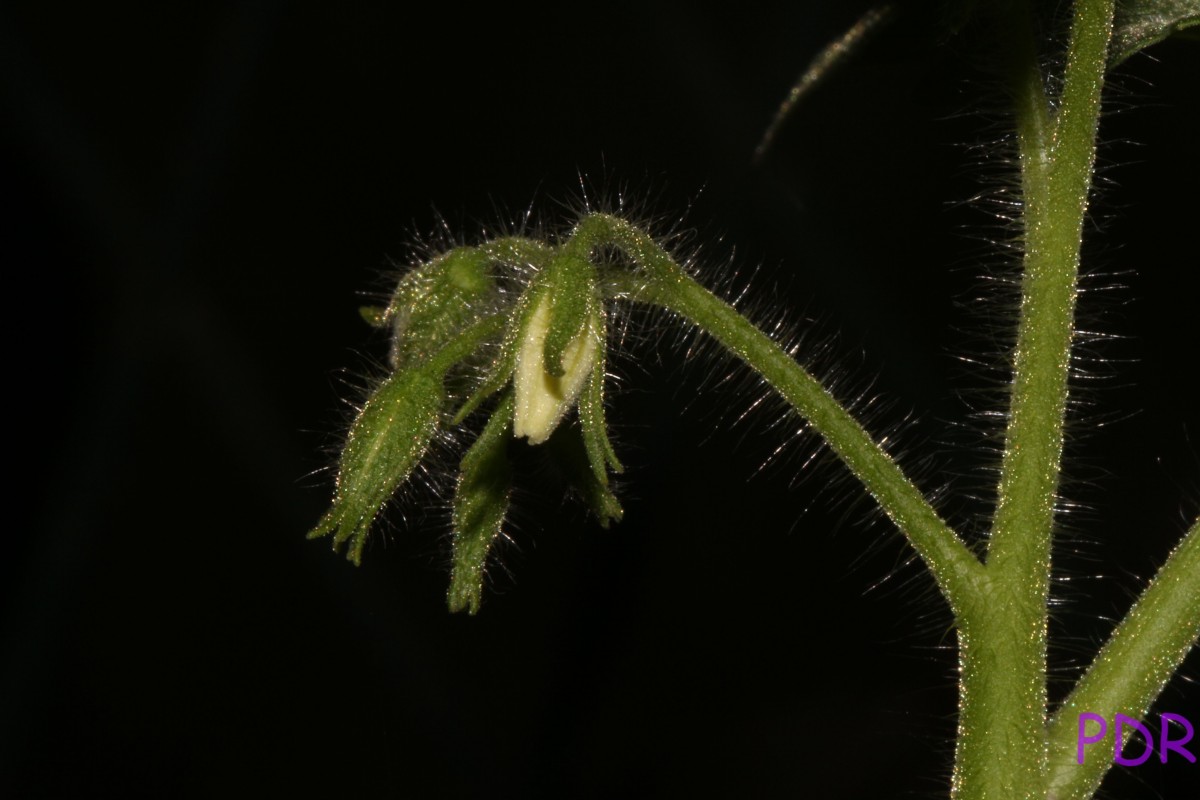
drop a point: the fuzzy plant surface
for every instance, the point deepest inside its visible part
(505, 342)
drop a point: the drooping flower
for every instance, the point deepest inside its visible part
(542, 357)
(553, 357)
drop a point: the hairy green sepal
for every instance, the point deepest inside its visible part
(386, 442)
(480, 504)
(433, 303)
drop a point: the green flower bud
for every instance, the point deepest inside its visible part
(387, 441)
(456, 336)
(435, 302)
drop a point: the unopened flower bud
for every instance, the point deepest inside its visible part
(435, 302)
(387, 441)
(543, 398)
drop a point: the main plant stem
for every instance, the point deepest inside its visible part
(1002, 749)
(1005, 750)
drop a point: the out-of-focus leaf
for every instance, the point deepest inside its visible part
(835, 54)
(1141, 23)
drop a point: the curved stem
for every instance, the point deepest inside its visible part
(660, 281)
(516, 250)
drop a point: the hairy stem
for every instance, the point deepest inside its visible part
(660, 281)
(1002, 750)
(1131, 670)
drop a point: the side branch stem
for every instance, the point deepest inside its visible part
(1131, 670)
(660, 281)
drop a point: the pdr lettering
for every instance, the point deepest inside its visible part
(1121, 722)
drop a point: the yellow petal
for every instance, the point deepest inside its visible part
(542, 399)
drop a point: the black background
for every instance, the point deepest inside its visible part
(195, 200)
